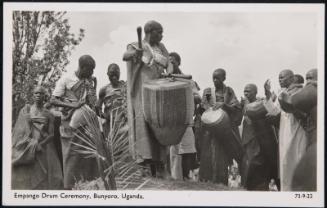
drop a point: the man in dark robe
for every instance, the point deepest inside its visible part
(143, 64)
(305, 174)
(112, 97)
(216, 153)
(259, 141)
(311, 118)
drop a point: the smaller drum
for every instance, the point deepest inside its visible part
(256, 110)
(306, 98)
(216, 120)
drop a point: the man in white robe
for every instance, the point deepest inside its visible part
(292, 136)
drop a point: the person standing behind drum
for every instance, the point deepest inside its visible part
(184, 153)
(259, 164)
(143, 64)
(215, 158)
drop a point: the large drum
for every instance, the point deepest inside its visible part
(168, 108)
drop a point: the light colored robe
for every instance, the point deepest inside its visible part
(292, 145)
(143, 144)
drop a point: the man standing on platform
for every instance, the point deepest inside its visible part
(143, 64)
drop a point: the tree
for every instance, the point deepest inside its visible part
(42, 43)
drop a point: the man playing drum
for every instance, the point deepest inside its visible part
(215, 155)
(150, 61)
(259, 163)
(71, 93)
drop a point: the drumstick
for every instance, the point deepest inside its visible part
(138, 69)
(139, 36)
(183, 76)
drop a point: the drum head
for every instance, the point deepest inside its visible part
(212, 116)
(159, 84)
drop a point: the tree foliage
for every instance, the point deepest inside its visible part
(42, 44)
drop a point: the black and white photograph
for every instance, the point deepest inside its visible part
(166, 104)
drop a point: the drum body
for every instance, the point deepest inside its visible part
(216, 121)
(306, 98)
(256, 110)
(168, 108)
(285, 102)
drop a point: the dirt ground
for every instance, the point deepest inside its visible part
(159, 184)
(149, 183)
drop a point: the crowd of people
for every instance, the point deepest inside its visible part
(277, 149)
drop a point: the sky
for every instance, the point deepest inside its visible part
(251, 47)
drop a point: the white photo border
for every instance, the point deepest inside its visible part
(165, 198)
